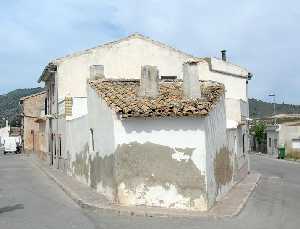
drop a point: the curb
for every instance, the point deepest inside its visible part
(145, 211)
(276, 159)
(245, 200)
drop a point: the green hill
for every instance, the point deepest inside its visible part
(258, 108)
(9, 105)
(10, 109)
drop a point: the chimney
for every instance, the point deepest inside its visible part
(224, 57)
(191, 85)
(149, 86)
(96, 72)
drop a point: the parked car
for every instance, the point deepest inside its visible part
(10, 145)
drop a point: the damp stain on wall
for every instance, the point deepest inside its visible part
(152, 164)
(101, 170)
(80, 165)
(223, 167)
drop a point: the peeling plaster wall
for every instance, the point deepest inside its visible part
(158, 149)
(90, 147)
(76, 148)
(235, 145)
(101, 155)
(183, 163)
(219, 160)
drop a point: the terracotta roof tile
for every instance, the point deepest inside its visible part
(121, 96)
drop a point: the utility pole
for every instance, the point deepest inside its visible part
(274, 105)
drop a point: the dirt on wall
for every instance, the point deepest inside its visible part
(152, 164)
(101, 170)
(223, 167)
(94, 169)
(80, 165)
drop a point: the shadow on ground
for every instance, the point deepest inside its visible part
(11, 208)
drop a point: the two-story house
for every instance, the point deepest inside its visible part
(67, 103)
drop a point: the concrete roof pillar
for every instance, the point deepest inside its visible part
(149, 86)
(191, 84)
(96, 72)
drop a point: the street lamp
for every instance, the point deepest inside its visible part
(274, 104)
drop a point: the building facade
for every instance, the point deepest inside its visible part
(33, 126)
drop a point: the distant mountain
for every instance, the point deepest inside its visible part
(258, 108)
(9, 105)
(10, 108)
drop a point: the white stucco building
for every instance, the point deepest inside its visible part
(67, 106)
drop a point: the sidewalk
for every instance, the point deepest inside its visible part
(275, 157)
(230, 206)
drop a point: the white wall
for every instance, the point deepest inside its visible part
(221, 66)
(172, 132)
(208, 135)
(101, 144)
(235, 86)
(236, 110)
(120, 60)
(216, 140)
(79, 108)
(75, 141)
(288, 131)
(102, 123)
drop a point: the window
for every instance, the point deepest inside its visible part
(270, 142)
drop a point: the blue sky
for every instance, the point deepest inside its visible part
(262, 36)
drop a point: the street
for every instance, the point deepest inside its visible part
(29, 199)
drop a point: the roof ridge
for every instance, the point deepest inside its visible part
(131, 36)
(32, 95)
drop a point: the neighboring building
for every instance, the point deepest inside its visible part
(67, 99)
(285, 132)
(33, 125)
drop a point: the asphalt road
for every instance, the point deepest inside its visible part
(28, 199)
